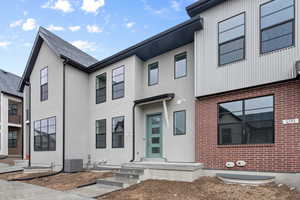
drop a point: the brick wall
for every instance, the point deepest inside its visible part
(282, 156)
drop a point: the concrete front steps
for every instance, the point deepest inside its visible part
(245, 179)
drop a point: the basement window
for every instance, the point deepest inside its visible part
(248, 121)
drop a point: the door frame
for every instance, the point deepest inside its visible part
(147, 134)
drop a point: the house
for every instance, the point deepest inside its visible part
(249, 110)
(11, 134)
(221, 87)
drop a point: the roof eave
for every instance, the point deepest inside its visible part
(200, 6)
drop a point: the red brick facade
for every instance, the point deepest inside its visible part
(282, 156)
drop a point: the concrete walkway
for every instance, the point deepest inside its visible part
(24, 191)
(94, 190)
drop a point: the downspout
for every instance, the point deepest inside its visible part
(29, 118)
(64, 108)
(133, 132)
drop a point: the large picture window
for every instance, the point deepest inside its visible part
(277, 21)
(118, 83)
(101, 134)
(118, 132)
(101, 88)
(45, 134)
(44, 84)
(153, 74)
(249, 121)
(232, 39)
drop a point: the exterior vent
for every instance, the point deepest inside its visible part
(73, 165)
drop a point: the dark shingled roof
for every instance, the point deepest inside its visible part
(9, 83)
(63, 48)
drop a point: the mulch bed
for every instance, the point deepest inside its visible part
(16, 175)
(206, 188)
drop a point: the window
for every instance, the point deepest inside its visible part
(232, 39)
(12, 109)
(12, 139)
(179, 123)
(44, 84)
(118, 83)
(249, 121)
(101, 134)
(153, 74)
(101, 88)
(277, 21)
(118, 132)
(180, 65)
(45, 134)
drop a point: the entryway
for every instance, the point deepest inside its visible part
(154, 136)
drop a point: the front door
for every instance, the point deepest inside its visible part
(154, 136)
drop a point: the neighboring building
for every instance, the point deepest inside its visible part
(246, 84)
(11, 138)
(234, 61)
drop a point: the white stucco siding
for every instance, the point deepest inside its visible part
(77, 114)
(50, 108)
(175, 148)
(256, 69)
(113, 108)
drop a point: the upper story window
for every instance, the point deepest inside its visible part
(12, 108)
(118, 132)
(44, 84)
(45, 134)
(101, 88)
(153, 74)
(180, 65)
(277, 21)
(248, 121)
(232, 39)
(101, 134)
(118, 86)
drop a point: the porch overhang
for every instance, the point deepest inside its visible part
(155, 99)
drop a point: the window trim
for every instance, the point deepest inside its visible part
(149, 84)
(275, 25)
(245, 36)
(174, 119)
(112, 83)
(112, 133)
(101, 134)
(47, 134)
(101, 88)
(186, 63)
(244, 99)
(45, 84)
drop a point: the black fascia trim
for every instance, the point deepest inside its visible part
(155, 98)
(202, 5)
(193, 24)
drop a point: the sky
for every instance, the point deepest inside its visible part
(98, 27)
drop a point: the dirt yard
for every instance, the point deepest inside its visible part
(202, 189)
(60, 181)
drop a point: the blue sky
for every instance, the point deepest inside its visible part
(99, 27)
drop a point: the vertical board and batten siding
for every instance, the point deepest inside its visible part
(256, 69)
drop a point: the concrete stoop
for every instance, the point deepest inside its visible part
(245, 179)
(94, 191)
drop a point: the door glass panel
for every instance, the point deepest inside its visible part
(156, 140)
(155, 121)
(155, 149)
(155, 131)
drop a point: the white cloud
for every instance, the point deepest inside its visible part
(16, 23)
(93, 29)
(55, 28)
(175, 5)
(27, 44)
(84, 45)
(130, 24)
(74, 28)
(152, 10)
(29, 25)
(62, 5)
(92, 6)
(4, 44)
(25, 13)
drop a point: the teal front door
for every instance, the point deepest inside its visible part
(154, 136)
